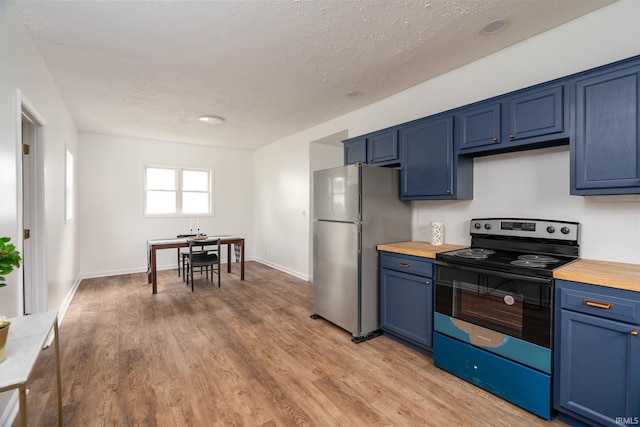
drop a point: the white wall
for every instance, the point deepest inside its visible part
(610, 223)
(281, 206)
(112, 229)
(23, 68)
(535, 184)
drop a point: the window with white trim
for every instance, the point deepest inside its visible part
(177, 191)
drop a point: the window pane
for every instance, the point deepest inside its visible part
(195, 181)
(160, 202)
(195, 202)
(161, 179)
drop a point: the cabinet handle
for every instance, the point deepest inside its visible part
(428, 282)
(495, 139)
(403, 264)
(634, 332)
(448, 191)
(512, 136)
(596, 304)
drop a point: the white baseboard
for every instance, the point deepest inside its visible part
(283, 269)
(107, 273)
(67, 301)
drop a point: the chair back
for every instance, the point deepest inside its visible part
(206, 255)
(205, 250)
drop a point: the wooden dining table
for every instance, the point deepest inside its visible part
(154, 245)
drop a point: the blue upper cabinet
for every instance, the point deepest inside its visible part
(530, 118)
(355, 150)
(430, 167)
(382, 147)
(605, 154)
(597, 112)
(537, 113)
(378, 148)
(480, 126)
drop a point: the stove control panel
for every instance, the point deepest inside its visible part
(532, 228)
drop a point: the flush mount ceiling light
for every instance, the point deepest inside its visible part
(494, 26)
(211, 120)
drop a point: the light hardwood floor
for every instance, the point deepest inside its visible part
(245, 354)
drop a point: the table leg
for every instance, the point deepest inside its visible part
(154, 274)
(242, 260)
(22, 393)
(58, 378)
(229, 257)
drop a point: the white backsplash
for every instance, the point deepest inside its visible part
(535, 184)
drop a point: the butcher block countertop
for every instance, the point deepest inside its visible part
(423, 249)
(605, 273)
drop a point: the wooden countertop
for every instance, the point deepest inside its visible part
(604, 273)
(423, 249)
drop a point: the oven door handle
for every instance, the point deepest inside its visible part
(503, 274)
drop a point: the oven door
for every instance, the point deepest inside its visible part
(505, 313)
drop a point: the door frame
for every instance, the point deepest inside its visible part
(35, 267)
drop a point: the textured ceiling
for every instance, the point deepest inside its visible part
(148, 69)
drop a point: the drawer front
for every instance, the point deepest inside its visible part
(516, 383)
(608, 303)
(407, 263)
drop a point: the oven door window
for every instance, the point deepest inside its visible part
(515, 306)
(498, 307)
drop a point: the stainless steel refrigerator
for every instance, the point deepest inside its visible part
(355, 208)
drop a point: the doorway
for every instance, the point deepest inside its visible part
(324, 153)
(34, 289)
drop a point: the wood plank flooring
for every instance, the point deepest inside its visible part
(245, 354)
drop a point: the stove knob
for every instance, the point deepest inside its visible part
(565, 230)
(551, 229)
(487, 226)
(477, 225)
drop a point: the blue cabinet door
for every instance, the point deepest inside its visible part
(406, 299)
(536, 113)
(480, 126)
(382, 147)
(355, 151)
(605, 155)
(530, 118)
(406, 309)
(378, 148)
(427, 151)
(597, 371)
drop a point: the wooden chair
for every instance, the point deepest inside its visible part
(203, 254)
(182, 254)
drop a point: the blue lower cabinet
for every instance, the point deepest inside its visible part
(516, 383)
(597, 355)
(406, 300)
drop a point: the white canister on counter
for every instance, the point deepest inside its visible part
(437, 233)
